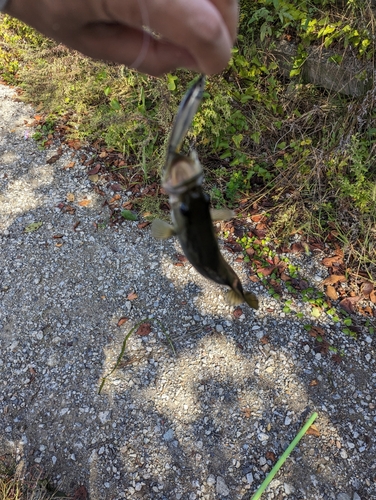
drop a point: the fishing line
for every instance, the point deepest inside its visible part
(146, 37)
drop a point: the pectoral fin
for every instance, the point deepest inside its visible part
(251, 300)
(161, 230)
(221, 214)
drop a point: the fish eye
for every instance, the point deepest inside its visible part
(184, 209)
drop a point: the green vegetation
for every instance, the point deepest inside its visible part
(305, 151)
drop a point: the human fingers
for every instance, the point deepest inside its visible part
(197, 25)
(134, 48)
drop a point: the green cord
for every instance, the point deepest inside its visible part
(283, 458)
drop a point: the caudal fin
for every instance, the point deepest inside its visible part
(161, 230)
(235, 298)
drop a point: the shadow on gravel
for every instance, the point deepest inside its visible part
(208, 423)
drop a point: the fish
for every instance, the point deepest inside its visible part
(192, 223)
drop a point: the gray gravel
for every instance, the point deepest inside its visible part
(204, 424)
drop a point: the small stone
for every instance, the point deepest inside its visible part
(288, 421)
(54, 460)
(343, 453)
(219, 328)
(343, 496)
(249, 477)
(262, 436)
(356, 496)
(221, 487)
(289, 489)
(210, 480)
(169, 435)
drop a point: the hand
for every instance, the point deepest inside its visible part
(194, 34)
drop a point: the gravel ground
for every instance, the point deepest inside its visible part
(208, 423)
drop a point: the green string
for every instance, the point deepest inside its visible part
(283, 458)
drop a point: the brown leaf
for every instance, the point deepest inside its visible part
(372, 296)
(54, 158)
(285, 277)
(250, 251)
(367, 288)
(266, 271)
(76, 224)
(70, 197)
(247, 412)
(116, 187)
(296, 248)
(317, 330)
(57, 236)
(103, 154)
(84, 203)
(128, 205)
(80, 494)
(314, 382)
(74, 144)
(122, 320)
(313, 431)
(257, 217)
(348, 304)
(94, 170)
(71, 164)
(330, 261)
(269, 455)
(237, 312)
(334, 278)
(142, 225)
(331, 292)
(144, 330)
(254, 279)
(115, 198)
(132, 296)
(264, 340)
(337, 358)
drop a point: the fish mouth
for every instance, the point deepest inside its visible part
(184, 174)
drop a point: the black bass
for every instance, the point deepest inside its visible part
(192, 224)
(191, 216)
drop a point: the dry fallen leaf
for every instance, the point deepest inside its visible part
(331, 292)
(142, 225)
(237, 312)
(330, 261)
(367, 288)
(247, 412)
(264, 340)
(94, 170)
(132, 296)
(71, 164)
(122, 320)
(348, 304)
(93, 178)
(84, 203)
(70, 197)
(144, 330)
(313, 431)
(334, 278)
(372, 296)
(313, 382)
(269, 455)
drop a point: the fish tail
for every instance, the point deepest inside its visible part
(251, 300)
(234, 298)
